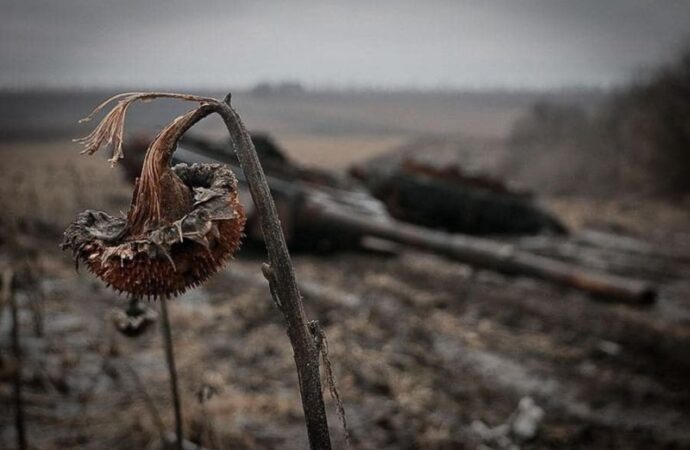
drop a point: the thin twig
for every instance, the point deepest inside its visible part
(148, 401)
(8, 296)
(322, 345)
(5, 293)
(166, 437)
(36, 304)
(170, 358)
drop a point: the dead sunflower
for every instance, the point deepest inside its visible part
(184, 222)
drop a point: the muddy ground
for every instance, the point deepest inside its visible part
(427, 353)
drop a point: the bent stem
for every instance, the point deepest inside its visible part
(281, 277)
(172, 371)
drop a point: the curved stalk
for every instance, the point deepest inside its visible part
(281, 277)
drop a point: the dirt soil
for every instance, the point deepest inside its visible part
(427, 353)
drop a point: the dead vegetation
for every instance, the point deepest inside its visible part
(429, 354)
(635, 142)
(183, 225)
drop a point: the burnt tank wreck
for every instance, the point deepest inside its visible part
(443, 210)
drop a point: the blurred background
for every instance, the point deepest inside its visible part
(556, 130)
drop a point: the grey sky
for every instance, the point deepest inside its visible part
(215, 43)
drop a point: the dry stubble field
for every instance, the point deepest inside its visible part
(427, 353)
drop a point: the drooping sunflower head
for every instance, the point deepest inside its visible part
(183, 225)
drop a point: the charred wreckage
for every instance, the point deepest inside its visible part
(439, 210)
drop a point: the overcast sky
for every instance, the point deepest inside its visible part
(390, 44)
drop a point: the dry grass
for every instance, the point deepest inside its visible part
(45, 184)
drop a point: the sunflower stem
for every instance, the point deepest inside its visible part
(281, 276)
(172, 371)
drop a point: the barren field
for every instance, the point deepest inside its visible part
(427, 353)
(327, 129)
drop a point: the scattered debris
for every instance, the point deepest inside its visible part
(135, 319)
(525, 422)
(522, 426)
